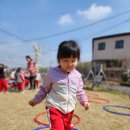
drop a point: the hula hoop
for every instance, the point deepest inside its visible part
(45, 124)
(102, 101)
(42, 127)
(75, 129)
(106, 108)
(38, 121)
(78, 120)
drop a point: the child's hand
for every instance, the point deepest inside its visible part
(31, 103)
(86, 105)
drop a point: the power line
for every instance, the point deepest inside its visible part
(110, 27)
(102, 31)
(65, 32)
(77, 29)
(106, 29)
(11, 34)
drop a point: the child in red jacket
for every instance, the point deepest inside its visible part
(3, 81)
(20, 79)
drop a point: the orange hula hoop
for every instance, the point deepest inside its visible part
(45, 124)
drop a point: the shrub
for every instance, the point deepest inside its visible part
(124, 77)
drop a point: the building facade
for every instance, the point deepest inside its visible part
(113, 53)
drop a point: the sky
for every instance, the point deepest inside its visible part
(46, 23)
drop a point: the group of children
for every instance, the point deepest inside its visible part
(19, 79)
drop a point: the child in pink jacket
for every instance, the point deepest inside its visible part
(62, 87)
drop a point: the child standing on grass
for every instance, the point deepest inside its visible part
(20, 79)
(26, 76)
(38, 79)
(3, 81)
(62, 87)
(12, 80)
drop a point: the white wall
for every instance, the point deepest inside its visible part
(110, 52)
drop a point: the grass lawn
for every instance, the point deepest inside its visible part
(16, 114)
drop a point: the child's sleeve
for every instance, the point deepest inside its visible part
(80, 94)
(44, 90)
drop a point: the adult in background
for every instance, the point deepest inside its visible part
(32, 69)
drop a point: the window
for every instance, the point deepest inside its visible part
(101, 46)
(119, 44)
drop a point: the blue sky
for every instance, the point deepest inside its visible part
(46, 23)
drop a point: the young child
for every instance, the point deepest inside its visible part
(26, 76)
(38, 79)
(3, 81)
(20, 79)
(62, 86)
(12, 81)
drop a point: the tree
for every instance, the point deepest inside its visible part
(37, 50)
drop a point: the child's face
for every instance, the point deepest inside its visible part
(1, 66)
(27, 59)
(68, 64)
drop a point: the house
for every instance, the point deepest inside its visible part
(113, 53)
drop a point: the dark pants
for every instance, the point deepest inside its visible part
(32, 82)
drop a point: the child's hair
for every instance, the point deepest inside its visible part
(28, 57)
(67, 49)
(18, 69)
(1, 66)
